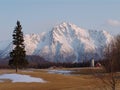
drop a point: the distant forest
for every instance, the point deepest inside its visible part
(40, 63)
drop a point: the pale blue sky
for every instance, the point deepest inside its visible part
(37, 16)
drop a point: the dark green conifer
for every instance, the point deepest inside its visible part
(18, 54)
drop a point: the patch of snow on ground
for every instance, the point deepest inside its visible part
(59, 71)
(20, 78)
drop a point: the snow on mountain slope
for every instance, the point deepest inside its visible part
(5, 48)
(31, 42)
(66, 43)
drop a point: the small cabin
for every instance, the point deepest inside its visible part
(98, 65)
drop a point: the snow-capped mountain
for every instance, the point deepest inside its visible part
(64, 43)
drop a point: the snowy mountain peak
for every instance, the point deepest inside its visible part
(70, 29)
(65, 43)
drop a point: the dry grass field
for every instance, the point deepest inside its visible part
(54, 82)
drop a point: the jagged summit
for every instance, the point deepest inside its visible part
(65, 43)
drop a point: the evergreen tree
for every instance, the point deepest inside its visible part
(18, 54)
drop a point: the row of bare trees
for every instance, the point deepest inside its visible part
(112, 55)
(111, 65)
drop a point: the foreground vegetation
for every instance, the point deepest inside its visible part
(81, 81)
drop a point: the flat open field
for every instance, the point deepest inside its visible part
(54, 81)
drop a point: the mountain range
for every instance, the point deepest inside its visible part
(66, 42)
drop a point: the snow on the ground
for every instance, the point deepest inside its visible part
(20, 78)
(59, 71)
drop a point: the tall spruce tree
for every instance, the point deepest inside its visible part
(18, 54)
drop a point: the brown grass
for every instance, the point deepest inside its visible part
(55, 82)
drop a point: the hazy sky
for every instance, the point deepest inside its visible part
(37, 16)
